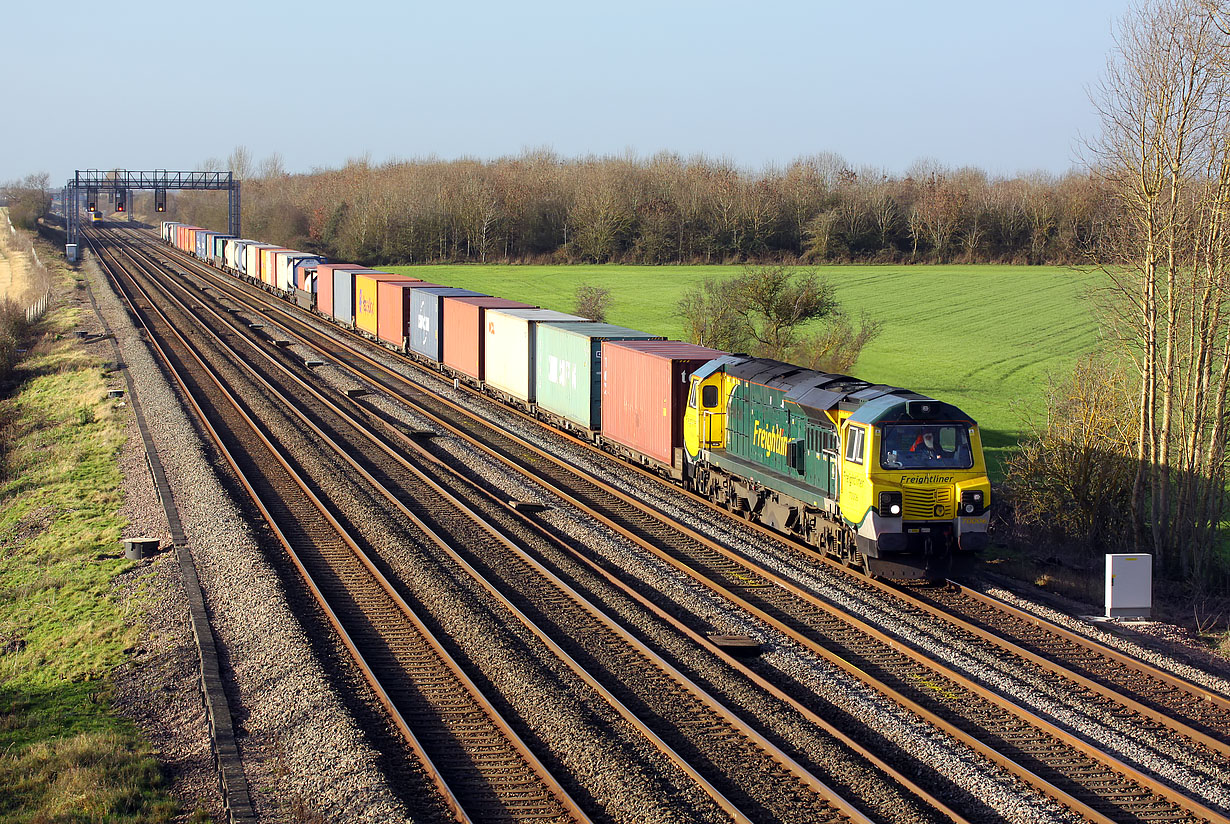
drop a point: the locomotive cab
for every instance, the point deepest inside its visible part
(914, 484)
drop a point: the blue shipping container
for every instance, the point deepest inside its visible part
(426, 318)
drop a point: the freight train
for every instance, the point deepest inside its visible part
(882, 478)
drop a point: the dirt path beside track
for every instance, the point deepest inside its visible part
(16, 282)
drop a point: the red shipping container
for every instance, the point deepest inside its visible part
(462, 329)
(644, 392)
(393, 307)
(324, 284)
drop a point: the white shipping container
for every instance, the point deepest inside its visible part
(252, 255)
(509, 348)
(282, 268)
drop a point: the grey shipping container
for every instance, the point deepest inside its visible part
(426, 316)
(343, 293)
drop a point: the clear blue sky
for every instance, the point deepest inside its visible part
(1001, 86)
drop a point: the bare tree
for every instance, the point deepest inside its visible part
(764, 308)
(836, 347)
(939, 212)
(1164, 156)
(538, 206)
(241, 163)
(592, 302)
(1072, 478)
(713, 318)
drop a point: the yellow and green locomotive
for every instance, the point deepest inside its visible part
(881, 477)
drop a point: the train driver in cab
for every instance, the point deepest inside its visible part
(927, 446)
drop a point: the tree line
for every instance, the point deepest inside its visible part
(539, 207)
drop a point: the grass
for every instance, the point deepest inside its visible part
(64, 755)
(985, 338)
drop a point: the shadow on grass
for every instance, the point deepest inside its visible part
(998, 446)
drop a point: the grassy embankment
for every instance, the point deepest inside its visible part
(64, 755)
(983, 337)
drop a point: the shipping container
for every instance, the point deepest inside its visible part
(268, 264)
(568, 368)
(324, 284)
(367, 299)
(303, 272)
(284, 267)
(394, 307)
(237, 254)
(217, 252)
(205, 243)
(252, 259)
(343, 292)
(280, 274)
(182, 235)
(644, 392)
(509, 355)
(234, 253)
(463, 331)
(425, 316)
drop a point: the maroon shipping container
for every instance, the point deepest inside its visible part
(324, 284)
(393, 308)
(462, 329)
(644, 392)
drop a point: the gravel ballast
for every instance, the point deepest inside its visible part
(300, 747)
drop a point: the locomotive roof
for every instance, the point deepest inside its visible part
(819, 392)
(911, 408)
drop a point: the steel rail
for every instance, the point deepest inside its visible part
(450, 798)
(760, 742)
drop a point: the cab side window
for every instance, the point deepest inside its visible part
(854, 445)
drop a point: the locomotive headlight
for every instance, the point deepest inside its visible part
(890, 504)
(972, 502)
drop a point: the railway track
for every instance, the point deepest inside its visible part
(1059, 764)
(1197, 713)
(770, 783)
(480, 768)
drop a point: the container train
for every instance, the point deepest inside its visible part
(882, 478)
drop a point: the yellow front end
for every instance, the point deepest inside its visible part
(903, 505)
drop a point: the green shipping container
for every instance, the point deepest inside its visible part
(568, 368)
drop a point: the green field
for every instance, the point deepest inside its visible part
(983, 337)
(65, 755)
